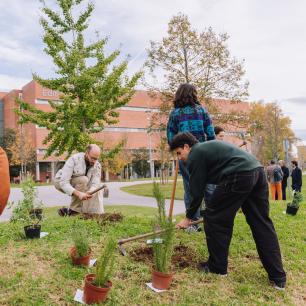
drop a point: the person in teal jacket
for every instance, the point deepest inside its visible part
(189, 115)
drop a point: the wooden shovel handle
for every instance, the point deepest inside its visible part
(122, 241)
(173, 190)
(98, 189)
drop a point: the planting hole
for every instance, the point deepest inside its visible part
(104, 218)
(183, 256)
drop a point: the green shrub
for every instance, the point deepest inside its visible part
(23, 210)
(162, 252)
(106, 263)
(297, 199)
(80, 240)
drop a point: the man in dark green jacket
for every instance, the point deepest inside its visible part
(241, 183)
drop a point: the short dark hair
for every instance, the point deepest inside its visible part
(180, 139)
(185, 95)
(294, 162)
(272, 162)
(218, 129)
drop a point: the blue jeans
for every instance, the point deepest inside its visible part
(209, 189)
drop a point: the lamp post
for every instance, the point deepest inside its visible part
(150, 161)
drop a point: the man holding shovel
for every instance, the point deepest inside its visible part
(80, 175)
(241, 182)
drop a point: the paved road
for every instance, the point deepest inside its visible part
(51, 197)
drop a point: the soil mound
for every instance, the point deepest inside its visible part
(183, 256)
(104, 218)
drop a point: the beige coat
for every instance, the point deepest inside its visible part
(75, 166)
(72, 176)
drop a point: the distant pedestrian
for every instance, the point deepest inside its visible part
(285, 171)
(296, 176)
(275, 176)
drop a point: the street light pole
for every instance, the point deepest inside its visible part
(150, 157)
(150, 161)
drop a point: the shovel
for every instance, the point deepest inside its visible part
(123, 241)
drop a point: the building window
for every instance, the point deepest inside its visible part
(45, 101)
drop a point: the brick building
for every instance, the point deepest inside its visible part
(133, 124)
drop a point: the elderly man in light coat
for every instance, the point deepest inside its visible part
(80, 175)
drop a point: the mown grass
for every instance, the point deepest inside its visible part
(39, 272)
(146, 189)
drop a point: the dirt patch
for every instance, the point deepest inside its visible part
(142, 254)
(252, 257)
(104, 218)
(183, 256)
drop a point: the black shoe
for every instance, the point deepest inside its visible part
(63, 211)
(278, 285)
(72, 213)
(203, 267)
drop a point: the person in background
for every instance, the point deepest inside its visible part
(219, 132)
(189, 115)
(275, 176)
(285, 171)
(296, 176)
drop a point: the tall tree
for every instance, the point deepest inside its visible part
(201, 58)
(185, 55)
(269, 127)
(93, 85)
(20, 150)
(8, 139)
(140, 163)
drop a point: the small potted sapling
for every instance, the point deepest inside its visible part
(97, 285)
(293, 207)
(24, 210)
(81, 251)
(163, 247)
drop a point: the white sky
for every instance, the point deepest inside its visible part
(270, 35)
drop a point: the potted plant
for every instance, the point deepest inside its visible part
(24, 210)
(293, 207)
(97, 285)
(162, 248)
(81, 251)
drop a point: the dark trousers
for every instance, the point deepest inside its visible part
(248, 190)
(284, 187)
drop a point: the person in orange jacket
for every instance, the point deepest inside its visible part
(5, 180)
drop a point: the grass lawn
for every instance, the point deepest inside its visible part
(39, 272)
(146, 190)
(36, 184)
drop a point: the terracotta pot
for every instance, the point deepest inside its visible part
(161, 280)
(32, 231)
(92, 293)
(78, 261)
